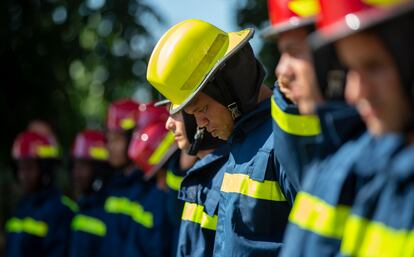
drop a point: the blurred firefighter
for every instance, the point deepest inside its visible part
(90, 175)
(150, 149)
(41, 224)
(307, 122)
(200, 189)
(378, 86)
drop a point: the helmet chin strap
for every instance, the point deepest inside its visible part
(198, 137)
(224, 95)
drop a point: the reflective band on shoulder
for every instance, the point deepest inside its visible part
(124, 206)
(195, 213)
(162, 149)
(47, 151)
(117, 205)
(315, 215)
(141, 216)
(89, 225)
(69, 203)
(299, 125)
(243, 184)
(173, 181)
(99, 153)
(371, 238)
(27, 225)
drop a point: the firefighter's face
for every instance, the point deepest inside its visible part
(212, 115)
(295, 72)
(117, 144)
(29, 175)
(82, 175)
(175, 124)
(373, 84)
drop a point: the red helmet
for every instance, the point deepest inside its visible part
(151, 147)
(31, 145)
(149, 114)
(287, 15)
(122, 115)
(341, 18)
(90, 145)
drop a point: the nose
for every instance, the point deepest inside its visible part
(283, 67)
(356, 87)
(169, 124)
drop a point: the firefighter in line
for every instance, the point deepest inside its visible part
(130, 187)
(121, 119)
(380, 60)
(41, 224)
(303, 133)
(215, 76)
(200, 189)
(177, 168)
(320, 218)
(151, 146)
(91, 173)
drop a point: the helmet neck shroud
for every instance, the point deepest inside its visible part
(237, 84)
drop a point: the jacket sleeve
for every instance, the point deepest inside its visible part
(295, 138)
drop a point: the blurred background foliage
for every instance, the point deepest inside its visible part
(64, 61)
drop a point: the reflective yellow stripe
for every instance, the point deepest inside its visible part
(370, 238)
(299, 125)
(141, 216)
(89, 225)
(162, 149)
(127, 123)
(195, 213)
(27, 225)
(117, 205)
(99, 153)
(304, 8)
(384, 3)
(242, 184)
(47, 151)
(69, 203)
(173, 181)
(313, 214)
(133, 209)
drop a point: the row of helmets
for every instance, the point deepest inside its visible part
(334, 19)
(150, 147)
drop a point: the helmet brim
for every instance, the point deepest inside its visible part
(236, 41)
(162, 103)
(354, 23)
(271, 33)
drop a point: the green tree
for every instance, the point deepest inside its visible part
(63, 61)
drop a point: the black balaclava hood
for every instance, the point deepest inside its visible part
(102, 173)
(237, 84)
(199, 138)
(330, 74)
(398, 37)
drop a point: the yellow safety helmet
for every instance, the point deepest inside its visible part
(187, 55)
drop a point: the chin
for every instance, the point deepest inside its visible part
(183, 146)
(377, 129)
